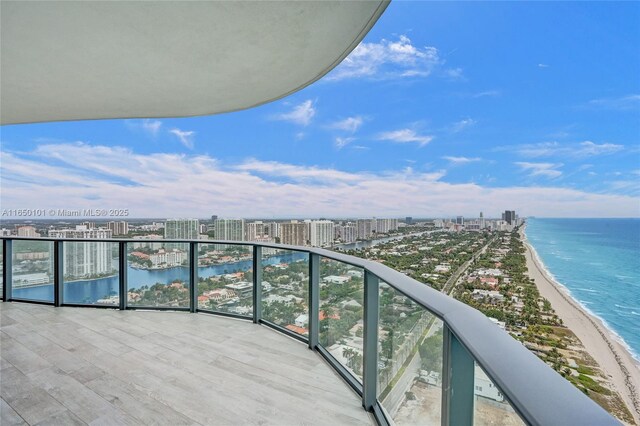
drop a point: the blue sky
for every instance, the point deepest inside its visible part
(445, 109)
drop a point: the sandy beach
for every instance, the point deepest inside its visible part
(613, 358)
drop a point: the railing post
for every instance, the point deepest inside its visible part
(122, 273)
(314, 300)
(7, 270)
(257, 283)
(458, 374)
(58, 273)
(193, 277)
(370, 344)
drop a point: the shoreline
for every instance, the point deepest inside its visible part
(614, 359)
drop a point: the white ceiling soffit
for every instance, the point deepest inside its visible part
(75, 60)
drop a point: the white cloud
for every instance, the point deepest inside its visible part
(570, 150)
(185, 136)
(388, 59)
(152, 126)
(454, 73)
(165, 185)
(349, 124)
(149, 126)
(461, 160)
(459, 126)
(301, 114)
(543, 66)
(588, 149)
(627, 102)
(343, 141)
(486, 93)
(294, 172)
(548, 170)
(405, 136)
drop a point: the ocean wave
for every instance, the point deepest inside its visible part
(625, 307)
(608, 328)
(616, 282)
(623, 277)
(588, 290)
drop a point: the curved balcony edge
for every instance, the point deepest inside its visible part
(537, 393)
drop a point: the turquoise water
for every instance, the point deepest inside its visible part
(598, 261)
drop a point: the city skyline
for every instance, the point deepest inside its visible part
(434, 119)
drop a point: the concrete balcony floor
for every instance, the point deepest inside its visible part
(97, 366)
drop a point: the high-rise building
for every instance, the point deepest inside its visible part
(254, 230)
(294, 233)
(86, 259)
(408, 220)
(482, 223)
(384, 226)
(27, 231)
(510, 217)
(272, 229)
(214, 217)
(119, 228)
(460, 220)
(365, 230)
(229, 229)
(322, 233)
(181, 229)
(346, 233)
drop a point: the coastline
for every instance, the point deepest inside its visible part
(613, 358)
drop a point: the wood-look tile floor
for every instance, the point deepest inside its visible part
(67, 366)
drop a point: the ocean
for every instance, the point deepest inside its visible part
(598, 262)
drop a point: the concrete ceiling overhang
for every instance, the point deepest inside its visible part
(76, 60)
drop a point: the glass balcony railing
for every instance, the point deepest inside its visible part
(285, 290)
(32, 271)
(90, 272)
(225, 279)
(409, 360)
(158, 275)
(341, 319)
(415, 355)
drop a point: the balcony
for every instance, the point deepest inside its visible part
(282, 335)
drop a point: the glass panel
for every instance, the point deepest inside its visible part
(1, 267)
(490, 407)
(341, 313)
(409, 360)
(33, 270)
(225, 278)
(285, 289)
(158, 274)
(91, 273)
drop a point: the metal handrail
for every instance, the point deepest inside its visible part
(536, 392)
